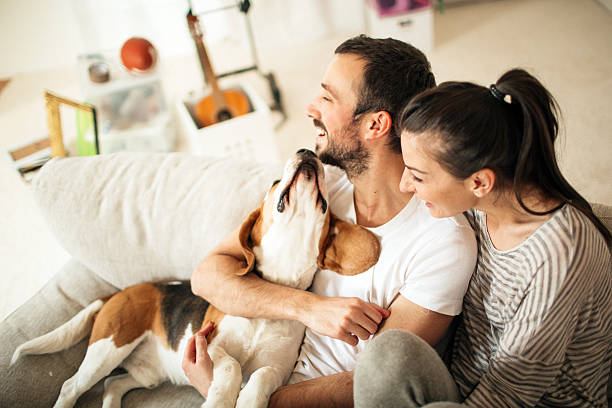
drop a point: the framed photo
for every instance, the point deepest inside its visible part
(87, 124)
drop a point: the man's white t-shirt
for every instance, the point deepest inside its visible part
(427, 260)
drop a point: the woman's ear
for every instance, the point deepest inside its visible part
(481, 182)
(378, 125)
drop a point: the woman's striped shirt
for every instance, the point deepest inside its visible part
(537, 319)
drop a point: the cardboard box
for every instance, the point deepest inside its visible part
(248, 137)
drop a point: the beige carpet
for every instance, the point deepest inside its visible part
(565, 43)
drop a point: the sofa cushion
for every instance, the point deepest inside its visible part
(604, 213)
(133, 217)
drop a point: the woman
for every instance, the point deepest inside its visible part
(537, 320)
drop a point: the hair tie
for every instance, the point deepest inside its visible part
(499, 95)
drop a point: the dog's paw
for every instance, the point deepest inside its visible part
(250, 398)
(218, 403)
(220, 398)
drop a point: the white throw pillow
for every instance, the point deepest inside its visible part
(134, 217)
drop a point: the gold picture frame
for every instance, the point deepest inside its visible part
(54, 122)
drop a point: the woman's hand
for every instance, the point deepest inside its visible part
(197, 365)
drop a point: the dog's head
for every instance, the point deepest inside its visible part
(294, 230)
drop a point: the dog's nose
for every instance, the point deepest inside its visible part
(306, 151)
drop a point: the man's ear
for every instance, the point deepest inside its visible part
(249, 236)
(481, 182)
(378, 124)
(348, 249)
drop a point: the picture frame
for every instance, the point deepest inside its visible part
(54, 123)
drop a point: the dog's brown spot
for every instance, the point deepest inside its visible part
(127, 315)
(212, 315)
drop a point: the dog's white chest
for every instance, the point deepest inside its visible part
(259, 342)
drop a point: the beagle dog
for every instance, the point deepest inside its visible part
(145, 328)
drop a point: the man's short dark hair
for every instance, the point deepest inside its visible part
(394, 72)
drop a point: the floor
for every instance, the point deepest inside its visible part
(565, 43)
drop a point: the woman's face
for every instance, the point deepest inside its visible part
(444, 194)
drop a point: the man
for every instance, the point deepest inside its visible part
(425, 263)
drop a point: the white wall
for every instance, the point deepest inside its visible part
(36, 34)
(46, 34)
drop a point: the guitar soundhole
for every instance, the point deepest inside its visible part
(223, 115)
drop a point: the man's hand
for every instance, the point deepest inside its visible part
(197, 365)
(346, 319)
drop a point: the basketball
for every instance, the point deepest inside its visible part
(138, 54)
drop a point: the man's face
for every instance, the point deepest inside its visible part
(338, 140)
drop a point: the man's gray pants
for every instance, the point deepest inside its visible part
(399, 369)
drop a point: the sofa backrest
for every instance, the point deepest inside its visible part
(134, 217)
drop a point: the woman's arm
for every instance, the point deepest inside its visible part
(560, 317)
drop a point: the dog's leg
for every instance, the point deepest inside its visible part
(116, 387)
(261, 385)
(227, 375)
(101, 358)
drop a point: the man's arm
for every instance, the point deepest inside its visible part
(330, 391)
(216, 280)
(454, 255)
(337, 390)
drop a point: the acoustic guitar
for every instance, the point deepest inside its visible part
(220, 105)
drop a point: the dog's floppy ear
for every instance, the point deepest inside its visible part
(347, 249)
(250, 235)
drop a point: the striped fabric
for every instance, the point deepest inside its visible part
(537, 328)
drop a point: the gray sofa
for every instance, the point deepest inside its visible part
(125, 218)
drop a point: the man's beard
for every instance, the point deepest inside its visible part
(350, 155)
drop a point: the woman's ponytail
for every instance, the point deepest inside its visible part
(536, 162)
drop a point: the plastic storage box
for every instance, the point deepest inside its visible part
(131, 109)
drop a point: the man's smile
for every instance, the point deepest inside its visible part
(320, 127)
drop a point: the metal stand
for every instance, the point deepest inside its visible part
(277, 105)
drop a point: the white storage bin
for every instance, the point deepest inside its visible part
(250, 136)
(414, 27)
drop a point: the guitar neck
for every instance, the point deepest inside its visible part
(209, 75)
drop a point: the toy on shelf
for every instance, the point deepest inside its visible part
(138, 55)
